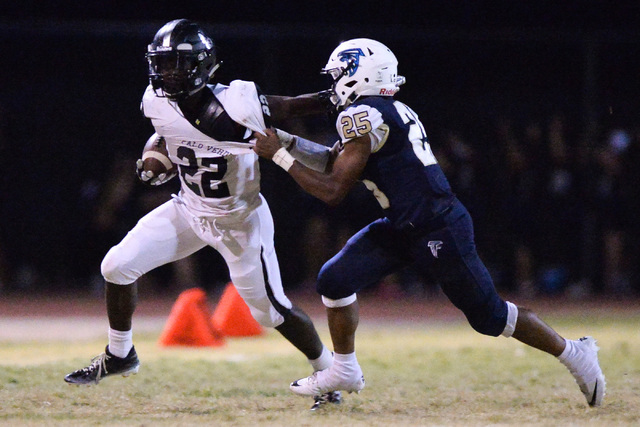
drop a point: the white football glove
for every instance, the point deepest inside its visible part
(147, 177)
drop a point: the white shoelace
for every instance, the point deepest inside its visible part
(98, 363)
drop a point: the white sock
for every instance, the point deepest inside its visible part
(578, 362)
(569, 352)
(345, 365)
(324, 361)
(120, 342)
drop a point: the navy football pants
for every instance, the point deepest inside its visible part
(380, 249)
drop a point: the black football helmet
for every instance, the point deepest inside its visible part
(181, 59)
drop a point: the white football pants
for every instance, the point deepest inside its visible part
(170, 232)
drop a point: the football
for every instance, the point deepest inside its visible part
(155, 157)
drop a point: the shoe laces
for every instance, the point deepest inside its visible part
(313, 378)
(99, 364)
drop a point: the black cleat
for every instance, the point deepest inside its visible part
(334, 397)
(104, 365)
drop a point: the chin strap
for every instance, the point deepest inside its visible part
(214, 69)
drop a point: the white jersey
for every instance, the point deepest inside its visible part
(218, 177)
(219, 203)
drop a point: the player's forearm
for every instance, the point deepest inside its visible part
(330, 187)
(320, 185)
(311, 154)
(283, 107)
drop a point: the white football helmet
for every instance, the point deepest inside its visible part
(361, 67)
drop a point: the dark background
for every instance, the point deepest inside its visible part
(483, 76)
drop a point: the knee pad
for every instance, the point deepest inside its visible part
(488, 321)
(269, 319)
(512, 319)
(337, 303)
(268, 308)
(323, 284)
(331, 284)
(114, 271)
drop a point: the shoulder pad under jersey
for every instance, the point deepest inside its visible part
(243, 103)
(357, 120)
(149, 105)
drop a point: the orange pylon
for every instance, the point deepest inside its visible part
(232, 316)
(189, 322)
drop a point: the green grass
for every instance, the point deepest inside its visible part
(417, 374)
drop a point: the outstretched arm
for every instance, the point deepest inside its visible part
(283, 107)
(330, 187)
(311, 154)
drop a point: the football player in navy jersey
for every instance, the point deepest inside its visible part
(385, 145)
(208, 130)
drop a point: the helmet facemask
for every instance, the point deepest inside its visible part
(361, 67)
(337, 75)
(183, 65)
(175, 74)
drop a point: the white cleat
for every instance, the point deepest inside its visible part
(587, 371)
(321, 382)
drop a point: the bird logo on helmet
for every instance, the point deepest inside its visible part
(362, 67)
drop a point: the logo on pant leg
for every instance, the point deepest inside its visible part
(435, 245)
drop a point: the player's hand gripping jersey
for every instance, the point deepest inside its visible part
(211, 145)
(402, 172)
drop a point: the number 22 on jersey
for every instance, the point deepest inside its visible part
(209, 185)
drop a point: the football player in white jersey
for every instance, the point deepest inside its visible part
(385, 146)
(208, 130)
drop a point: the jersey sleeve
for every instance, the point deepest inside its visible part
(360, 120)
(245, 105)
(147, 106)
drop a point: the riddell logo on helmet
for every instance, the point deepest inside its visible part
(384, 91)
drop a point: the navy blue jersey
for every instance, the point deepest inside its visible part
(425, 223)
(401, 171)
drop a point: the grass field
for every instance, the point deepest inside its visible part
(418, 373)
